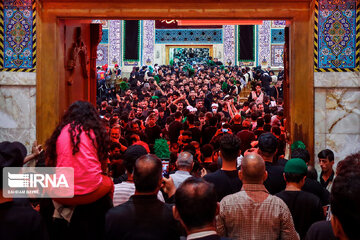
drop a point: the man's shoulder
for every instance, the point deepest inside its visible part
(310, 197)
(313, 184)
(120, 209)
(276, 201)
(275, 168)
(299, 195)
(321, 230)
(214, 175)
(175, 124)
(245, 132)
(238, 196)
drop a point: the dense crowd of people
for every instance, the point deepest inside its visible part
(177, 151)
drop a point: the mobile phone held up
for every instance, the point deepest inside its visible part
(165, 168)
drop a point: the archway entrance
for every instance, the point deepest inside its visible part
(51, 60)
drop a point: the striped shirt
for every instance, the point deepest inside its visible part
(123, 191)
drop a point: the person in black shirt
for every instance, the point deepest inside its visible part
(345, 199)
(305, 207)
(321, 230)
(226, 179)
(267, 148)
(326, 161)
(265, 82)
(236, 126)
(18, 220)
(311, 185)
(209, 132)
(276, 91)
(162, 117)
(175, 127)
(152, 130)
(143, 216)
(196, 133)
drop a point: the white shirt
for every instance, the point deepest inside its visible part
(179, 177)
(200, 235)
(123, 191)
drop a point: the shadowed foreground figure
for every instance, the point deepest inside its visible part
(345, 199)
(143, 216)
(195, 207)
(345, 208)
(253, 213)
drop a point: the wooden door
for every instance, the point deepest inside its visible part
(79, 70)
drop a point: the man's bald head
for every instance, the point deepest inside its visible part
(252, 169)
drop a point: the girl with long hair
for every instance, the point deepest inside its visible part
(80, 141)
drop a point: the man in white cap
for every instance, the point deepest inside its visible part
(214, 107)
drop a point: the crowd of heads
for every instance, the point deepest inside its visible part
(195, 119)
(191, 106)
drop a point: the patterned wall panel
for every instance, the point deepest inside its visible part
(105, 36)
(336, 36)
(115, 41)
(103, 47)
(102, 54)
(277, 55)
(148, 42)
(186, 36)
(264, 55)
(278, 24)
(229, 44)
(278, 36)
(18, 35)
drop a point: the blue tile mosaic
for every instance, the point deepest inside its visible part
(277, 36)
(18, 39)
(337, 34)
(105, 36)
(208, 36)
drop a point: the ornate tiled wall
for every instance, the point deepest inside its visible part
(336, 36)
(148, 42)
(337, 94)
(270, 43)
(229, 43)
(277, 55)
(115, 41)
(18, 31)
(277, 36)
(18, 87)
(102, 54)
(263, 52)
(103, 47)
(223, 42)
(188, 36)
(105, 36)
